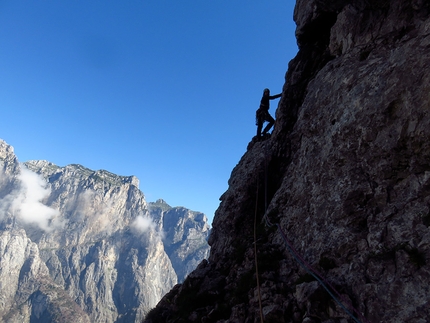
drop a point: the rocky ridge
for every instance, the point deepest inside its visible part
(345, 175)
(78, 245)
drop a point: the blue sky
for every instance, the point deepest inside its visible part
(163, 90)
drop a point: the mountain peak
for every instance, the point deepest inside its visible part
(47, 168)
(74, 240)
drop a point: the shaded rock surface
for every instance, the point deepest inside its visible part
(345, 175)
(185, 235)
(78, 245)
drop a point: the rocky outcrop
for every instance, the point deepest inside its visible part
(341, 188)
(78, 245)
(185, 236)
(27, 289)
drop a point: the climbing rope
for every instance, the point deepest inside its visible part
(255, 257)
(326, 285)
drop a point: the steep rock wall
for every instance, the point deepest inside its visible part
(345, 174)
(78, 245)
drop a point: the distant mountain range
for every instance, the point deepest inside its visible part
(79, 245)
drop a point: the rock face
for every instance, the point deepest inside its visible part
(341, 189)
(185, 236)
(84, 246)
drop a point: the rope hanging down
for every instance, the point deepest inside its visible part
(326, 285)
(255, 257)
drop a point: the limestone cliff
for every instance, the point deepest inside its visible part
(78, 245)
(340, 191)
(185, 235)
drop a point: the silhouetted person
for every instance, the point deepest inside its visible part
(263, 115)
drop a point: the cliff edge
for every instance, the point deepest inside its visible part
(80, 246)
(337, 201)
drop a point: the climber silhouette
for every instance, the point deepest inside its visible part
(263, 115)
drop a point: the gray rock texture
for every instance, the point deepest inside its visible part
(78, 245)
(185, 236)
(341, 186)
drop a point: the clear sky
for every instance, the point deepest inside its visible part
(163, 90)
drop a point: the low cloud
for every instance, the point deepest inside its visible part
(144, 224)
(26, 201)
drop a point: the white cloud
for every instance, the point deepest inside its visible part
(26, 201)
(144, 224)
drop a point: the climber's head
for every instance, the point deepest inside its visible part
(266, 92)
